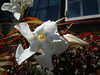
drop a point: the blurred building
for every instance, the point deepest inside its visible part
(45, 9)
(84, 14)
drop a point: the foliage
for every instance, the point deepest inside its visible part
(80, 60)
(77, 59)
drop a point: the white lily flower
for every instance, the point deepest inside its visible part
(15, 9)
(44, 37)
(14, 1)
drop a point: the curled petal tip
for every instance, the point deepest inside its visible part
(73, 40)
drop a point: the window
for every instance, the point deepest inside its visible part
(79, 8)
(90, 7)
(45, 10)
(73, 8)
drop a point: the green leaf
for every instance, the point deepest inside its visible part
(35, 21)
(16, 34)
(2, 59)
(73, 55)
(63, 59)
(1, 69)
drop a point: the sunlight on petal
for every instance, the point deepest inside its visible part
(39, 30)
(58, 45)
(50, 26)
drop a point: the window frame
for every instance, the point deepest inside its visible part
(80, 17)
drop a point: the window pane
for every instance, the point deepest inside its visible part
(45, 10)
(32, 13)
(98, 1)
(74, 9)
(43, 3)
(53, 13)
(53, 2)
(73, 0)
(41, 14)
(35, 5)
(90, 7)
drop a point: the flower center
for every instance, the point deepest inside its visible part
(41, 37)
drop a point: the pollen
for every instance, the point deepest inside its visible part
(41, 37)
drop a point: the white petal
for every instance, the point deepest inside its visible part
(45, 59)
(39, 30)
(16, 8)
(7, 7)
(73, 40)
(22, 54)
(15, 1)
(17, 11)
(50, 26)
(58, 44)
(26, 32)
(36, 46)
(17, 15)
(46, 27)
(19, 51)
(29, 3)
(46, 48)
